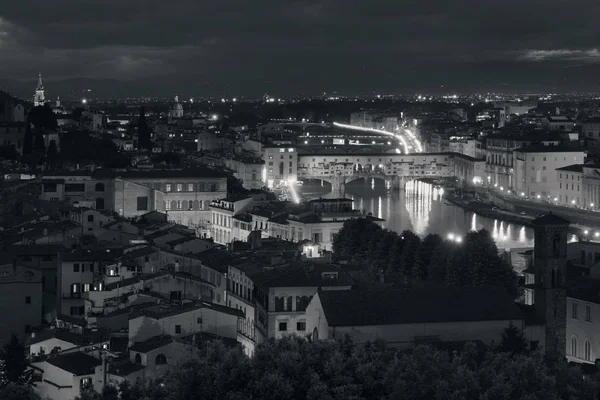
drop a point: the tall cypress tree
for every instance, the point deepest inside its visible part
(28, 139)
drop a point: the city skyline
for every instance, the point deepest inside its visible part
(305, 47)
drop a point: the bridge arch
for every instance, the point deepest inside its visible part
(357, 168)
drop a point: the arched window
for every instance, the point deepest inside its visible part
(99, 203)
(574, 346)
(173, 205)
(289, 303)
(190, 205)
(315, 335)
(138, 358)
(160, 359)
(99, 187)
(588, 350)
(556, 246)
(196, 205)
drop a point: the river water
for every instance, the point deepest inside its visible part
(421, 209)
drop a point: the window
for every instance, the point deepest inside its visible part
(574, 346)
(142, 203)
(76, 267)
(50, 187)
(177, 329)
(190, 187)
(75, 187)
(167, 187)
(301, 326)
(99, 187)
(282, 326)
(100, 203)
(180, 187)
(588, 313)
(574, 310)
(85, 382)
(138, 358)
(160, 359)
(27, 299)
(90, 218)
(587, 353)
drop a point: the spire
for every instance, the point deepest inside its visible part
(176, 99)
(40, 85)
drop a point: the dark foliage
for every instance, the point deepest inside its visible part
(78, 147)
(474, 262)
(9, 152)
(513, 341)
(14, 363)
(294, 368)
(28, 139)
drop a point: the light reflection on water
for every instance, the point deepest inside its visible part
(422, 209)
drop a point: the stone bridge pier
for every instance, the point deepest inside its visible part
(396, 182)
(338, 186)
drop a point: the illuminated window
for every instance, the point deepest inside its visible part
(179, 187)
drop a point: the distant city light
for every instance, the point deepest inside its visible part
(591, 204)
(214, 117)
(234, 99)
(83, 101)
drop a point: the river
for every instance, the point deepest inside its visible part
(421, 209)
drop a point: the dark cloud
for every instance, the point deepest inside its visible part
(240, 46)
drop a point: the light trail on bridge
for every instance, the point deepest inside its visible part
(294, 194)
(395, 135)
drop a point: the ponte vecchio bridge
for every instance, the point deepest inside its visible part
(396, 169)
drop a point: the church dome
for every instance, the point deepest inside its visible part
(177, 107)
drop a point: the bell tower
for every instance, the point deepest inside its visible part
(39, 98)
(550, 294)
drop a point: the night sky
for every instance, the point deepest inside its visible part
(242, 47)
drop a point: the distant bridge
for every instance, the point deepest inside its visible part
(395, 169)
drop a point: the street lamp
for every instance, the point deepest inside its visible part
(592, 205)
(573, 201)
(522, 194)
(597, 234)
(539, 197)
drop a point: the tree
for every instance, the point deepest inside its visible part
(43, 118)
(424, 255)
(13, 391)
(28, 139)
(8, 152)
(14, 362)
(513, 340)
(39, 144)
(52, 154)
(409, 250)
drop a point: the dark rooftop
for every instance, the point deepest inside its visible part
(77, 363)
(572, 168)
(538, 148)
(550, 219)
(386, 307)
(151, 344)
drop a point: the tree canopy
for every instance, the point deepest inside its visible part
(295, 368)
(13, 368)
(474, 262)
(81, 147)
